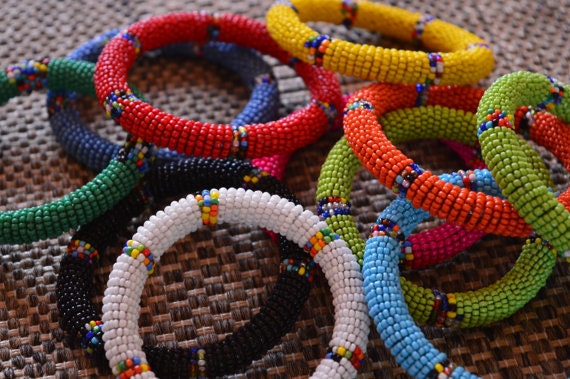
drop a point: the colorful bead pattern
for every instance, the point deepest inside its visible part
(320, 240)
(115, 103)
(405, 179)
(435, 67)
(239, 142)
(82, 250)
(317, 46)
(336, 353)
(302, 268)
(250, 66)
(208, 203)
(331, 206)
(197, 367)
(130, 367)
(133, 39)
(419, 28)
(329, 109)
(386, 227)
(29, 75)
(467, 58)
(495, 118)
(348, 10)
(193, 138)
(358, 104)
(138, 151)
(139, 252)
(92, 340)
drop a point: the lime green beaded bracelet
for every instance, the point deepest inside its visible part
(508, 158)
(94, 198)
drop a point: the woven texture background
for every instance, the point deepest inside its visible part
(214, 280)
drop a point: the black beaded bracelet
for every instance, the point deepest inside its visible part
(80, 318)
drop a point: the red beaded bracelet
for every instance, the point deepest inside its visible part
(463, 207)
(195, 138)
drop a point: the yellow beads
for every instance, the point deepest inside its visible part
(464, 58)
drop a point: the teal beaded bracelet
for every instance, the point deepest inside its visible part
(94, 198)
(508, 158)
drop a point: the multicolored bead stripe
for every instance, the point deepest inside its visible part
(208, 203)
(135, 249)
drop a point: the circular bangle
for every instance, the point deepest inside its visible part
(508, 159)
(465, 58)
(126, 281)
(94, 198)
(96, 152)
(203, 139)
(79, 316)
(335, 184)
(461, 206)
(385, 294)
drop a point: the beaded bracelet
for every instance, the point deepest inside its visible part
(508, 159)
(203, 139)
(385, 294)
(124, 288)
(465, 58)
(95, 152)
(80, 318)
(92, 199)
(461, 206)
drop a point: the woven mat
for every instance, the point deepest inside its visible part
(213, 281)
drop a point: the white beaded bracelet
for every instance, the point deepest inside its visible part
(121, 309)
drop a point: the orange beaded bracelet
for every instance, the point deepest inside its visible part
(473, 210)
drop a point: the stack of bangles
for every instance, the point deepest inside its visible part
(172, 175)
(95, 151)
(425, 305)
(384, 248)
(80, 318)
(455, 56)
(195, 138)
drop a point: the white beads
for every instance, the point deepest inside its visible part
(124, 288)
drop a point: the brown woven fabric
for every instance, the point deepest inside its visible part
(213, 281)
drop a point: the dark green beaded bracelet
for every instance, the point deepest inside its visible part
(94, 198)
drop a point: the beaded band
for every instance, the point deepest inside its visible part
(125, 285)
(202, 139)
(461, 206)
(508, 159)
(464, 59)
(92, 199)
(385, 296)
(80, 318)
(262, 106)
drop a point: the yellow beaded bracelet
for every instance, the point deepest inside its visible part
(455, 55)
